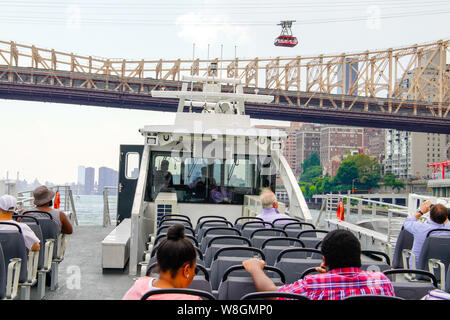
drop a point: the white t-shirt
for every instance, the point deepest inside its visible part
(29, 236)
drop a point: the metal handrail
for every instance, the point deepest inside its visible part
(106, 205)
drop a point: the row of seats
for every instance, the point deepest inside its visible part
(434, 256)
(20, 269)
(289, 255)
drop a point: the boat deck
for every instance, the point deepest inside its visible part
(80, 273)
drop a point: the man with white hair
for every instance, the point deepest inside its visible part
(7, 207)
(269, 208)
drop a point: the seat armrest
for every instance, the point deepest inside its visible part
(48, 255)
(406, 254)
(62, 243)
(12, 283)
(436, 263)
(32, 266)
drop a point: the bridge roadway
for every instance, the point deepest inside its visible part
(30, 84)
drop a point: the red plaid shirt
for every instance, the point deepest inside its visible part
(340, 283)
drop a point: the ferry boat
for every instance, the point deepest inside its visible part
(210, 165)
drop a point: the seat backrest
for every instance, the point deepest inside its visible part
(236, 286)
(49, 228)
(293, 228)
(218, 242)
(162, 236)
(435, 246)
(273, 246)
(293, 262)
(241, 220)
(209, 217)
(405, 240)
(174, 215)
(230, 256)
(205, 225)
(250, 226)
(280, 222)
(169, 222)
(274, 294)
(13, 246)
(258, 236)
(163, 230)
(312, 237)
(213, 232)
(378, 264)
(3, 274)
(412, 290)
(33, 223)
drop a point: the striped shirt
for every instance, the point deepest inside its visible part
(340, 283)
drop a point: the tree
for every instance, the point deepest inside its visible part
(391, 180)
(359, 170)
(312, 161)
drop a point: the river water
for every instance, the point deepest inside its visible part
(89, 210)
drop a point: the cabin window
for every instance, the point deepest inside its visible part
(198, 180)
(132, 165)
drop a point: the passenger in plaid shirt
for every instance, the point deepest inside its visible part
(340, 274)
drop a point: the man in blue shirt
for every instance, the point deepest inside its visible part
(438, 220)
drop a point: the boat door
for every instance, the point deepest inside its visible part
(129, 162)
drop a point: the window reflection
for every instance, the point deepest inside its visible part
(224, 181)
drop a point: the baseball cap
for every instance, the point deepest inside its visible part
(8, 203)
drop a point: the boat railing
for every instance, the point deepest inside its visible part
(358, 209)
(25, 201)
(109, 204)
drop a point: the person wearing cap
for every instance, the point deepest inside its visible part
(43, 200)
(7, 207)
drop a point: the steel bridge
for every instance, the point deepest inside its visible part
(404, 88)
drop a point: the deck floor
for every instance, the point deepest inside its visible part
(80, 273)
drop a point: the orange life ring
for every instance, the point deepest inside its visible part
(340, 211)
(57, 200)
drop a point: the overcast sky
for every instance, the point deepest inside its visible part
(48, 141)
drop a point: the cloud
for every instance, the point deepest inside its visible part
(202, 29)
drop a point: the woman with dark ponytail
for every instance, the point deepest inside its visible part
(177, 260)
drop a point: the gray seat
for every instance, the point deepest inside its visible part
(405, 240)
(49, 228)
(169, 222)
(163, 230)
(236, 286)
(281, 222)
(213, 232)
(3, 274)
(250, 226)
(13, 246)
(174, 216)
(412, 290)
(294, 228)
(381, 265)
(258, 236)
(205, 225)
(273, 246)
(222, 242)
(208, 217)
(435, 246)
(162, 236)
(239, 222)
(294, 261)
(310, 237)
(200, 281)
(230, 256)
(153, 257)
